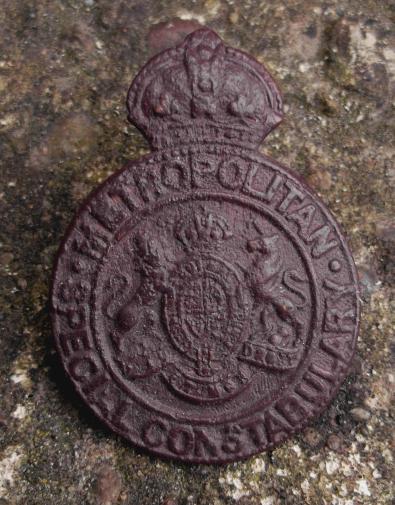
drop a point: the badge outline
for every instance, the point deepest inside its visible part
(267, 163)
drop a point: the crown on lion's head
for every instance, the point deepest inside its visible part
(202, 91)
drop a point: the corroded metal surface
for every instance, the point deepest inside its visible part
(64, 68)
(205, 304)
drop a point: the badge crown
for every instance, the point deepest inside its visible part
(204, 230)
(204, 91)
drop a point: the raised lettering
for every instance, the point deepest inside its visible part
(231, 174)
(154, 433)
(231, 442)
(340, 347)
(104, 394)
(107, 213)
(338, 290)
(74, 290)
(202, 167)
(256, 431)
(84, 366)
(174, 175)
(316, 383)
(76, 341)
(91, 242)
(338, 320)
(203, 444)
(180, 441)
(271, 190)
(303, 217)
(292, 410)
(148, 185)
(276, 426)
(75, 316)
(320, 240)
(123, 194)
(122, 417)
(293, 194)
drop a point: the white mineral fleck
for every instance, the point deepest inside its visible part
(8, 468)
(258, 466)
(331, 465)
(19, 412)
(305, 486)
(281, 472)
(270, 500)
(297, 449)
(362, 487)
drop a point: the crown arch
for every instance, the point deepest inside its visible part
(204, 91)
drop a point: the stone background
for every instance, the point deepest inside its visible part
(65, 66)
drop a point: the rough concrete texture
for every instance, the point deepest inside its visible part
(65, 66)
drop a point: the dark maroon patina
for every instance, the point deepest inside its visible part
(204, 302)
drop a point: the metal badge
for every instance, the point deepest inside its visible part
(205, 303)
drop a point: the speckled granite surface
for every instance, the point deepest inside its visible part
(64, 70)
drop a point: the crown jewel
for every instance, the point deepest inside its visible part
(204, 91)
